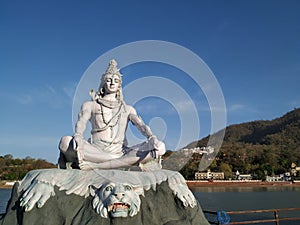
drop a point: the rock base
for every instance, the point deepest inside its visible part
(158, 207)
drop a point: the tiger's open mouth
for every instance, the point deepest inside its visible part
(118, 206)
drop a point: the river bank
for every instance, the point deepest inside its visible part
(7, 184)
(232, 183)
(6, 187)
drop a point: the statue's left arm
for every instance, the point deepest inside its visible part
(139, 123)
(146, 131)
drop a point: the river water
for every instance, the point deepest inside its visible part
(251, 198)
(233, 199)
(4, 197)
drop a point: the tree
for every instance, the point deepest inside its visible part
(8, 156)
(226, 169)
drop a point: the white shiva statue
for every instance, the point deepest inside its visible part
(107, 148)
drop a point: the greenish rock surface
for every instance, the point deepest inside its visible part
(158, 207)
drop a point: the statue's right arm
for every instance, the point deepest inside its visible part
(84, 115)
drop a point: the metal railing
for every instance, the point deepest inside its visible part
(275, 212)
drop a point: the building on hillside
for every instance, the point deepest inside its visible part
(238, 176)
(245, 177)
(273, 178)
(282, 177)
(209, 175)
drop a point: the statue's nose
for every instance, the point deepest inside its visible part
(119, 195)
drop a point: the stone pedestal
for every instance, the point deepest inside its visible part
(158, 207)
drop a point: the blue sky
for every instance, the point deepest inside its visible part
(252, 47)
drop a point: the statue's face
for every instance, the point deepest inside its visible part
(112, 84)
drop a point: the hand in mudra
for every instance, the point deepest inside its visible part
(158, 145)
(84, 165)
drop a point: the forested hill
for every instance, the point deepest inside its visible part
(281, 131)
(260, 146)
(15, 169)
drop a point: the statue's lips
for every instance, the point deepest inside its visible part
(118, 206)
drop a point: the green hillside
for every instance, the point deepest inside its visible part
(263, 147)
(15, 169)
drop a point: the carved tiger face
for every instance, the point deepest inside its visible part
(117, 200)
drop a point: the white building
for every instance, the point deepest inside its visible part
(276, 178)
(209, 175)
(238, 176)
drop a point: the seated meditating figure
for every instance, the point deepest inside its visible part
(107, 147)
